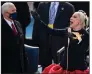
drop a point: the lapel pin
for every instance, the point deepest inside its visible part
(62, 8)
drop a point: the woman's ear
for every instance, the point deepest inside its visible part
(80, 22)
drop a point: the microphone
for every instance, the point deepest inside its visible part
(37, 16)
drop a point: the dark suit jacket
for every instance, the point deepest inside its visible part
(76, 53)
(12, 52)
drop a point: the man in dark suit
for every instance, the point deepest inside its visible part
(23, 16)
(13, 59)
(55, 15)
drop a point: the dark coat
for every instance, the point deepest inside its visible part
(47, 43)
(12, 51)
(76, 53)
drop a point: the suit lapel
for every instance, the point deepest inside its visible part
(48, 8)
(16, 25)
(7, 27)
(60, 10)
(19, 30)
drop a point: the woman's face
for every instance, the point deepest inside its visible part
(75, 20)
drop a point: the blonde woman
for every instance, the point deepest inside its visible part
(78, 42)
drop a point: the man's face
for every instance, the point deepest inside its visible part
(10, 11)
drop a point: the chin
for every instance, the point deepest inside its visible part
(71, 25)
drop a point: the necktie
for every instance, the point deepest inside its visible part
(52, 14)
(14, 29)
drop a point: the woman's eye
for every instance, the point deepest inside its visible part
(75, 17)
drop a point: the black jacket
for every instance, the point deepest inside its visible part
(76, 53)
(13, 58)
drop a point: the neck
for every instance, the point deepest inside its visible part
(8, 18)
(77, 28)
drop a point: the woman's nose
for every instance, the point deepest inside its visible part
(71, 18)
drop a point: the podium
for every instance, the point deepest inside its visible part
(32, 54)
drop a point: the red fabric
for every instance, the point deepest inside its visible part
(86, 71)
(65, 72)
(72, 72)
(52, 69)
(46, 70)
(57, 69)
(14, 29)
(79, 72)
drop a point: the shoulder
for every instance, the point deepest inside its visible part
(42, 7)
(86, 34)
(67, 4)
(3, 21)
(43, 3)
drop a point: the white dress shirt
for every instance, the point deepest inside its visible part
(10, 23)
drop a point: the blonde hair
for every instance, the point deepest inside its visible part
(83, 18)
(6, 6)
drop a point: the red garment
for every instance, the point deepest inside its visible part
(86, 71)
(53, 69)
(72, 72)
(79, 72)
(46, 70)
(14, 29)
(57, 69)
(65, 72)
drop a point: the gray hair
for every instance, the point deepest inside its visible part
(6, 6)
(83, 18)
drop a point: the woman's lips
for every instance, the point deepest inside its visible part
(71, 22)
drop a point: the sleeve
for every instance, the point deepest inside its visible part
(23, 13)
(36, 27)
(57, 32)
(71, 7)
(85, 42)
